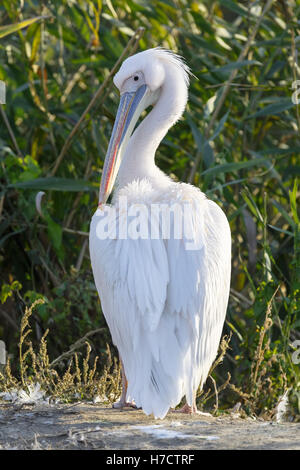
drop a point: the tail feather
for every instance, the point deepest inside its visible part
(161, 371)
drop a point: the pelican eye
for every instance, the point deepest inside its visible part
(136, 78)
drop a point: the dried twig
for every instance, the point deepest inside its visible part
(68, 230)
(217, 391)
(11, 133)
(9, 319)
(75, 346)
(81, 254)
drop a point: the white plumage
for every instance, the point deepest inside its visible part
(165, 305)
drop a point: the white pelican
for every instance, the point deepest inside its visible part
(164, 300)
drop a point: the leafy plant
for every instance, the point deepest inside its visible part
(238, 141)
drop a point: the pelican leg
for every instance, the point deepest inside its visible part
(122, 403)
(192, 410)
(187, 409)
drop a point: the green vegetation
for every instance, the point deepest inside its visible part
(238, 141)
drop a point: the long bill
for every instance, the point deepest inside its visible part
(130, 107)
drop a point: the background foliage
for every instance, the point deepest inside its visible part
(238, 141)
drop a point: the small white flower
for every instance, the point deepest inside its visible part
(12, 395)
(100, 399)
(282, 407)
(34, 394)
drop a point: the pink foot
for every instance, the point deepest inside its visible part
(119, 405)
(191, 410)
(187, 409)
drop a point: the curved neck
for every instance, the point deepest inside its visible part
(138, 161)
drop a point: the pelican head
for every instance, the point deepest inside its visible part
(140, 81)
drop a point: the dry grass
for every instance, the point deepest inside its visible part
(261, 386)
(79, 381)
